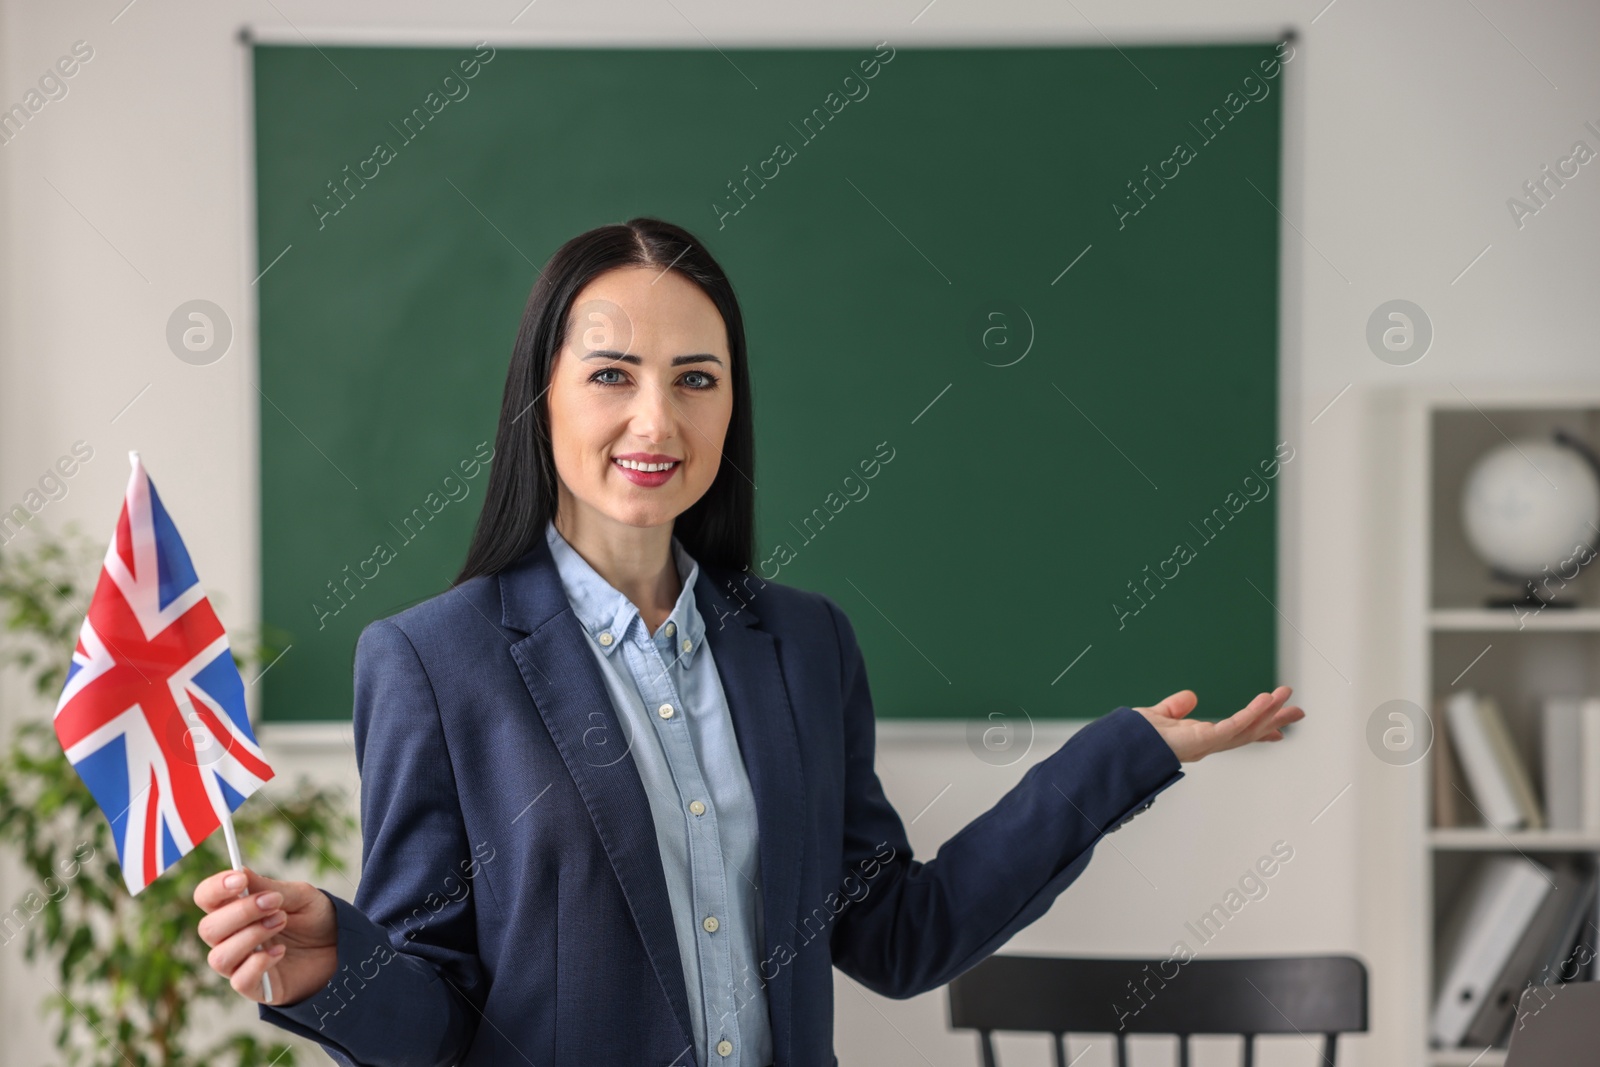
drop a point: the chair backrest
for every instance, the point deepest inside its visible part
(1308, 995)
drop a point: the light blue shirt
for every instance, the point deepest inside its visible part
(669, 700)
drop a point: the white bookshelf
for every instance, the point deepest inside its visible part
(1489, 620)
(1483, 839)
(1461, 643)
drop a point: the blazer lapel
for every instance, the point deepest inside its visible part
(758, 701)
(570, 694)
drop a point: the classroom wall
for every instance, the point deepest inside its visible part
(1409, 126)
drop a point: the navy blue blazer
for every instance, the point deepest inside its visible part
(512, 907)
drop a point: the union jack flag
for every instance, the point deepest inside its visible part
(152, 716)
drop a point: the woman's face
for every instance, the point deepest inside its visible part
(644, 376)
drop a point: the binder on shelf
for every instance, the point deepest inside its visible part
(1572, 949)
(1501, 787)
(1553, 928)
(1493, 913)
(1580, 960)
(1591, 937)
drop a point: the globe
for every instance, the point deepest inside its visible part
(1533, 504)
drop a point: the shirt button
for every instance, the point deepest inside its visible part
(605, 638)
(665, 711)
(670, 628)
(687, 644)
(724, 1047)
(697, 807)
(711, 925)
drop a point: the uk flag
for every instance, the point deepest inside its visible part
(152, 716)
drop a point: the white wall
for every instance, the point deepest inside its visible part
(1410, 125)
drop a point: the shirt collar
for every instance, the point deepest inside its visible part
(602, 610)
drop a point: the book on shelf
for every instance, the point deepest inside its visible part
(1571, 742)
(1446, 773)
(1497, 905)
(1589, 738)
(1561, 724)
(1501, 787)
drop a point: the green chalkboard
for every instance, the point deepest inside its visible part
(1032, 291)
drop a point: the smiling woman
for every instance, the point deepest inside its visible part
(678, 786)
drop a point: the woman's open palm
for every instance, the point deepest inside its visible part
(1262, 719)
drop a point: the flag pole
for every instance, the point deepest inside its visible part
(238, 865)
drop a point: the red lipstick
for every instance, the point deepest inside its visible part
(647, 479)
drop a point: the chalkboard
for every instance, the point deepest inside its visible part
(1032, 291)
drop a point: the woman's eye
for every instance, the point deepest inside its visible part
(695, 379)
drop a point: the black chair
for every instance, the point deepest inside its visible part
(1306, 995)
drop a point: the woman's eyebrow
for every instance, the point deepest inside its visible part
(625, 357)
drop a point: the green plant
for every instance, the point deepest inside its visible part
(128, 969)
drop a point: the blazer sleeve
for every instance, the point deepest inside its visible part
(409, 986)
(917, 925)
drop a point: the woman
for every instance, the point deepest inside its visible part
(618, 800)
